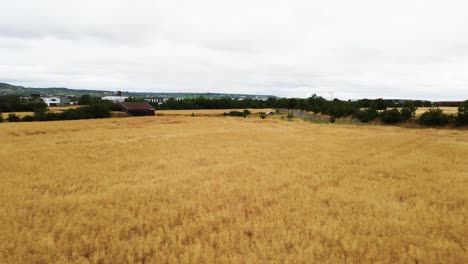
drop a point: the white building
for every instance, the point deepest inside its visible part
(55, 100)
(156, 100)
(115, 98)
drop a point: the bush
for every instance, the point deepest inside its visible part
(234, 113)
(462, 115)
(96, 111)
(1, 118)
(85, 99)
(27, 118)
(262, 115)
(434, 117)
(85, 112)
(13, 118)
(408, 111)
(392, 116)
(379, 104)
(366, 115)
(237, 113)
(332, 119)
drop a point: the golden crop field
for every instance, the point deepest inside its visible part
(53, 109)
(179, 189)
(447, 110)
(20, 114)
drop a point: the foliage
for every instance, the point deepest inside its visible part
(379, 104)
(238, 113)
(27, 118)
(85, 112)
(332, 119)
(1, 118)
(233, 113)
(13, 118)
(12, 103)
(408, 110)
(419, 103)
(365, 109)
(366, 115)
(434, 117)
(462, 115)
(85, 99)
(219, 103)
(392, 116)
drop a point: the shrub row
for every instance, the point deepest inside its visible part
(432, 117)
(237, 113)
(85, 112)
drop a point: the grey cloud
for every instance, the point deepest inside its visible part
(363, 48)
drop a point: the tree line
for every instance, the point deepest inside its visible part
(12, 103)
(379, 109)
(365, 110)
(84, 112)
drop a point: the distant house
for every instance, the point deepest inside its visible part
(115, 98)
(156, 100)
(56, 100)
(137, 108)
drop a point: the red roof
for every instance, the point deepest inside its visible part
(136, 106)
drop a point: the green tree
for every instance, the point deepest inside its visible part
(433, 117)
(13, 118)
(379, 104)
(85, 99)
(27, 118)
(462, 115)
(408, 111)
(366, 115)
(392, 116)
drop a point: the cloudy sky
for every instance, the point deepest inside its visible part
(359, 48)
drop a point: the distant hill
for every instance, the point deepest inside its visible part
(8, 89)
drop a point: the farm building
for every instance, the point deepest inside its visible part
(137, 108)
(115, 98)
(56, 100)
(156, 100)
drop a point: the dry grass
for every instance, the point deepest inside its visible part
(446, 109)
(230, 190)
(53, 109)
(20, 114)
(205, 112)
(62, 108)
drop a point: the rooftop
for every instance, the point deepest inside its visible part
(135, 106)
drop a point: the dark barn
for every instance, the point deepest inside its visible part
(137, 108)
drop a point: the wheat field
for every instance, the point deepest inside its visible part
(53, 109)
(181, 189)
(449, 110)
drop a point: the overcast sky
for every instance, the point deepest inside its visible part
(357, 49)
